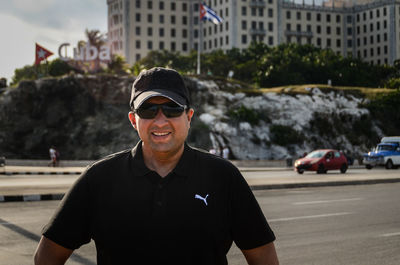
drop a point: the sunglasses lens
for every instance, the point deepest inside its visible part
(172, 111)
(149, 111)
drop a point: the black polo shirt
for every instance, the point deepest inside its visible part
(134, 216)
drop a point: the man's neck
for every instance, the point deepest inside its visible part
(161, 162)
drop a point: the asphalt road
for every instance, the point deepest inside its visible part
(322, 225)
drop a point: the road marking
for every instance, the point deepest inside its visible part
(328, 201)
(391, 234)
(307, 217)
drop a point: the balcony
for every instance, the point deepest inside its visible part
(299, 33)
(257, 3)
(262, 32)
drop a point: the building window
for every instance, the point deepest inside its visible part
(318, 17)
(149, 31)
(184, 46)
(226, 40)
(365, 40)
(364, 28)
(372, 52)
(184, 33)
(226, 26)
(253, 12)
(150, 45)
(244, 24)
(137, 44)
(184, 7)
(173, 6)
(371, 16)
(161, 45)
(328, 43)
(196, 33)
(261, 12)
(378, 50)
(161, 19)
(288, 27)
(173, 33)
(337, 18)
(328, 30)
(319, 42)
(337, 30)
(196, 9)
(349, 31)
(184, 20)
(385, 36)
(328, 17)
(270, 40)
(137, 4)
(349, 43)
(378, 25)
(384, 24)
(378, 13)
(371, 39)
(172, 19)
(161, 32)
(358, 17)
(365, 53)
(298, 15)
(308, 16)
(308, 28)
(137, 57)
(271, 26)
(137, 31)
(288, 14)
(319, 29)
(226, 12)
(371, 27)
(364, 16)
(244, 11)
(161, 5)
(137, 16)
(385, 49)
(384, 11)
(270, 12)
(378, 38)
(244, 39)
(358, 42)
(173, 46)
(349, 19)
(338, 43)
(298, 28)
(150, 18)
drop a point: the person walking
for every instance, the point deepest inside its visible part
(53, 156)
(163, 201)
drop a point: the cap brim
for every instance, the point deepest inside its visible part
(159, 93)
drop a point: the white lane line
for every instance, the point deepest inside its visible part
(328, 201)
(307, 217)
(391, 234)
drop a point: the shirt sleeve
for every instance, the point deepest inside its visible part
(250, 228)
(70, 224)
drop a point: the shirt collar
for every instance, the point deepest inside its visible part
(183, 168)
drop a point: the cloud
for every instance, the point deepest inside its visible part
(47, 22)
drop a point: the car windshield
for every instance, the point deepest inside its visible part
(384, 147)
(316, 154)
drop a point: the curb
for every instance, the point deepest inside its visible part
(33, 197)
(59, 196)
(323, 184)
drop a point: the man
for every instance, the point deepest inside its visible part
(162, 202)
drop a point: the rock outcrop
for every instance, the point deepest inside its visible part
(85, 117)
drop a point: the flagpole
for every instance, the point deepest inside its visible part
(199, 46)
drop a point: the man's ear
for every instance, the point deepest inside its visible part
(190, 114)
(132, 119)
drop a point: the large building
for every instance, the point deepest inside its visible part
(365, 29)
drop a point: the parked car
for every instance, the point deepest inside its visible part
(321, 161)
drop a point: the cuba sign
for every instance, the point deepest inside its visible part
(86, 53)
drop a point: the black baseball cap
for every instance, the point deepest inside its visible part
(159, 81)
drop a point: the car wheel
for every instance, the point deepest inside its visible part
(300, 171)
(321, 169)
(368, 166)
(343, 168)
(389, 164)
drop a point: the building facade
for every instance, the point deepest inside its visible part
(365, 29)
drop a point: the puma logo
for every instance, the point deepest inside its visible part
(201, 198)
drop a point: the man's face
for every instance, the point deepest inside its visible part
(162, 134)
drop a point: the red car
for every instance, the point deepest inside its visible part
(321, 161)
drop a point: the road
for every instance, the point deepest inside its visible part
(323, 225)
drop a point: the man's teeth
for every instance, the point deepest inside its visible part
(160, 134)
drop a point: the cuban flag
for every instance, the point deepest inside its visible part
(209, 14)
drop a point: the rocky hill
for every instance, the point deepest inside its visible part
(85, 117)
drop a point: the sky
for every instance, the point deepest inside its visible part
(46, 22)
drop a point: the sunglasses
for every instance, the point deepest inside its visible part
(149, 111)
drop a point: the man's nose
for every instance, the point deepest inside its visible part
(160, 117)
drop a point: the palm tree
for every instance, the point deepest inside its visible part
(97, 40)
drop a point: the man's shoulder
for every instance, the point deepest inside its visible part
(212, 161)
(112, 160)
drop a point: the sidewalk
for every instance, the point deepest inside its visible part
(32, 183)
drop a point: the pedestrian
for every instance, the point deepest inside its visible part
(162, 202)
(53, 156)
(225, 152)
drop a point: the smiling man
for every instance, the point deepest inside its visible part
(162, 202)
